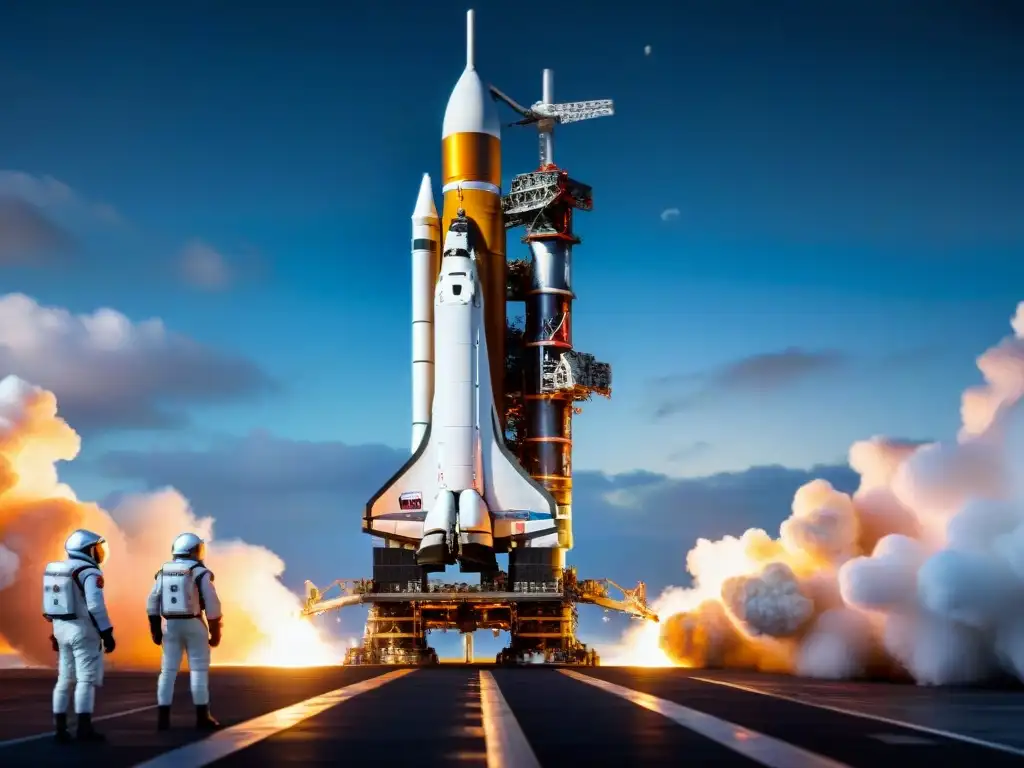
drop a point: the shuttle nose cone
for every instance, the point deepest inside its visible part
(470, 107)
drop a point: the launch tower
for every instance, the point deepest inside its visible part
(553, 377)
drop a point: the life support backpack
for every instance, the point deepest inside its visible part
(59, 594)
(180, 597)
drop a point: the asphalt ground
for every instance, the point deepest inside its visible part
(480, 715)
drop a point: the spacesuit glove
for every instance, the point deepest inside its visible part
(53, 644)
(108, 640)
(214, 632)
(155, 630)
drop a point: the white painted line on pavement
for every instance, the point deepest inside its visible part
(225, 742)
(868, 716)
(49, 734)
(756, 746)
(507, 745)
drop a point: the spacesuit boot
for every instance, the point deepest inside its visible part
(61, 734)
(163, 718)
(85, 730)
(204, 720)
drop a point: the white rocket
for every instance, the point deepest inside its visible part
(462, 496)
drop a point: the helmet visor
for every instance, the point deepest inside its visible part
(101, 552)
(200, 551)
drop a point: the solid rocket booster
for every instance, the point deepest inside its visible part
(426, 249)
(471, 179)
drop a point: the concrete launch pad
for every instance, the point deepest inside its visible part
(463, 715)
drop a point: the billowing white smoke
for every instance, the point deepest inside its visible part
(37, 512)
(920, 571)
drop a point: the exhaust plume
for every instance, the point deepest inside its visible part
(37, 512)
(918, 573)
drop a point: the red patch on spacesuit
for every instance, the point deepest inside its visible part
(99, 582)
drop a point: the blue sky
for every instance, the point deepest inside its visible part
(848, 182)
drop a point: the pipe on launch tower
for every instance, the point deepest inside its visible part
(547, 447)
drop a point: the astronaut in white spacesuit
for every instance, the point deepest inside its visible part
(182, 593)
(73, 602)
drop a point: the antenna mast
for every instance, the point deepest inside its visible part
(546, 127)
(546, 114)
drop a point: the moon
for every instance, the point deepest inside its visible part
(647, 50)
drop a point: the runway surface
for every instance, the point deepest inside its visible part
(478, 715)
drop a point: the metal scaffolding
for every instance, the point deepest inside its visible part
(540, 616)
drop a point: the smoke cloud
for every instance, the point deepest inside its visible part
(37, 512)
(918, 573)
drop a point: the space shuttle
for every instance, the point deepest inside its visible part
(462, 496)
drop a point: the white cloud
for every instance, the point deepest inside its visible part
(109, 372)
(204, 267)
(670, 214)
(259, 463)
(53, 195)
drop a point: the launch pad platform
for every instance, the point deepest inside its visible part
(539, 615)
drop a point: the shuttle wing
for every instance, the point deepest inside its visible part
(508, 490)
(398, 509)
(522, 508)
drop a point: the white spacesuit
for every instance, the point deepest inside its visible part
(73, 602)
(182, 593)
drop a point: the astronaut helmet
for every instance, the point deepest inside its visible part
(86, 545)
(190, 547)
